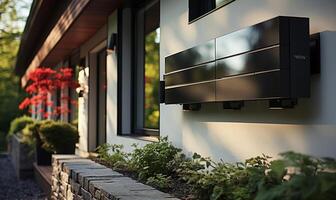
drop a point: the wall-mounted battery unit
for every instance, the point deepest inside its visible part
(269, 60)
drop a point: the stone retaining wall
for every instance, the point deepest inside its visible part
(78, 178)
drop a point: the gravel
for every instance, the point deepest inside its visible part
(11, 188)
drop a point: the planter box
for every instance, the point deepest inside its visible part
(43, 157)
(22, 158)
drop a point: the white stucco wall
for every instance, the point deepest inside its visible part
(235, 135)
(95, 43)
(83, 80)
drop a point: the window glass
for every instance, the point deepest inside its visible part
(152, 79)
(147, 72)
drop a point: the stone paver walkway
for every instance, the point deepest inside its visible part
(11, 188)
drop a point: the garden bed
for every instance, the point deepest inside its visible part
(177, 187)
(165, 167)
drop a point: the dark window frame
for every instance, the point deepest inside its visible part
(93, 122)
(101, 95)
(138, 73)
(135, 131)
(119, 71)
(190, 21)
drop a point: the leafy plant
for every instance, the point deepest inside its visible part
(103, 151)
(18, 124)
(300, 177)
(154, 158)
(225, 180)
(114, 156)
(58, 137)
(293, 177)
(184, 165)
(30, 134)
(160, 181)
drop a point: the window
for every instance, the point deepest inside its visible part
(139, 68)
(101, 97)
(200, 8)
(147, 68)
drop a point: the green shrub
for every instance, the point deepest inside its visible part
(113, 156)
(103, 151)
(293, 177)
(154, 158)
(160, 181)
(75, 123)
(31, 133)
(27, 136)
(58, 137)
(299, 177)
(18, 124)
(225, 180)
(183, 165)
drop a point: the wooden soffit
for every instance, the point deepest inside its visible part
(79, 22)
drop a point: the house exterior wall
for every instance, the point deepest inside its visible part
(235, 135)
(83, 112)
(232, 135)
(112, 95)
(86, 142)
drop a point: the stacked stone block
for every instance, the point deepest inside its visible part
(78, 178)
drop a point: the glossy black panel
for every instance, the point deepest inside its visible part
(236, 88)
(194, 56)
(254, 37)
(202, 73)
(300, 58)
(315, 53)
(204, 92)
(272, 85)
(247, 63)
(269, 60)
(162, 92)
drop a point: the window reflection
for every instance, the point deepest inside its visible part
(152, 81)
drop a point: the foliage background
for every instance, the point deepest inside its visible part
(152, 79)
(13, 14)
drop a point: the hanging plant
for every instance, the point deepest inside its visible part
(44, 81)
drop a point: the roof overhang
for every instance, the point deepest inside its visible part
(79, 22)
(40, 21)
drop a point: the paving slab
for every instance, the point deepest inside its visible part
(127, 188)
(68, 168)
(79, 174)
(86, 195)
(85, 175)
(84, 179)
(92, 186)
